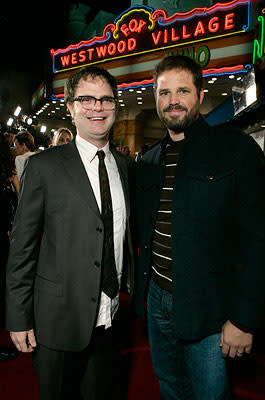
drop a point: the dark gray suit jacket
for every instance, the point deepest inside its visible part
(54, 268)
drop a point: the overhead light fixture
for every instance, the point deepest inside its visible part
(214, 79)
(43, 128)
(139, 98)
(17, 111)
(210, 81)
(206, 90)
(10, 121)
(138, 91)
(29, 120)
(231, 76)
(224, 94)
(140, 102)
(131, 90)
(143, 88)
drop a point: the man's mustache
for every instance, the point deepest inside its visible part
(175, 107)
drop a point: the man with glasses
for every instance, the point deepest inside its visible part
(70, 242)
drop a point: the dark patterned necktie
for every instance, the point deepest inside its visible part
(110, 284)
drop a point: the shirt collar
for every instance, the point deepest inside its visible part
(90, 149)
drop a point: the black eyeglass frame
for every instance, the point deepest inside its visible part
(101, 99)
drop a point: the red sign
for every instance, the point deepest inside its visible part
(142, 29)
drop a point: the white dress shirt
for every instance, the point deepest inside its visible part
(87, 151)
(20, 162)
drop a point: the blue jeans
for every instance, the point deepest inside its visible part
(185, 370)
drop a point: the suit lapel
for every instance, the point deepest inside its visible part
(123, 171)
(77, 173)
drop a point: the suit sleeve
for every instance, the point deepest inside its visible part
(24, 250)
(248, 294)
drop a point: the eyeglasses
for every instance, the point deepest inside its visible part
(89, 102)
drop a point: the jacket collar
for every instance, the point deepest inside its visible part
(194, 131)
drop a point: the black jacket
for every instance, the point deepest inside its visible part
(218, 234)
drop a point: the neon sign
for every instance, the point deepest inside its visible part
(141, 29)
(258, 48)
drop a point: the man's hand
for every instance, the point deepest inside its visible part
(24, 341)
(235, 342)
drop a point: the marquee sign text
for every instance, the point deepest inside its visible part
(142, 29)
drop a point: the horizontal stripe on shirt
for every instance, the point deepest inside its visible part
(162, 275)
(160, 255)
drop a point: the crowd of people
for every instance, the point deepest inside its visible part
(182, 228)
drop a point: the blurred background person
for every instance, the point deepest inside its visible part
(9, 187)
(143, 150)
(62, 136)
(9, 137)
(24, 145)
(127, 151)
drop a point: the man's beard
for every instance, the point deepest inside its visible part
(176, 124)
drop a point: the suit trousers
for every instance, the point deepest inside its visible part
(91, 374)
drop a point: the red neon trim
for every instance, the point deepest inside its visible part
(127, 85)
(223, 69)
(109, 27)
(162, 13)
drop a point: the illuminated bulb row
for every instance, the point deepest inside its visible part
(138, 91)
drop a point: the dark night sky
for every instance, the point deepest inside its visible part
(27, 35)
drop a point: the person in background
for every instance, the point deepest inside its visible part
(127, 151)
(24, 148)
(10, 137)
(71, 250)
(9, 187)
(62, 136)
(143, 150)
(200, 204)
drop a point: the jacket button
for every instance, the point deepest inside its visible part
(146, 247)
(210, 177)
(145, 273)
(93, 299)
(99, 230)
(97, 264)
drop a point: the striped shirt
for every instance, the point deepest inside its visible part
(161, 245)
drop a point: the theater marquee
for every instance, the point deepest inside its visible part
(141, 30)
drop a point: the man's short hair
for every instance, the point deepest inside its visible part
(181, 63)
(24, 137)
(83, 73)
